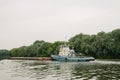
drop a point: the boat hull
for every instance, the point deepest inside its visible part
(71, 59)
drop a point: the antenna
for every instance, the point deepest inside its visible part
(65, 41)
(65, 38)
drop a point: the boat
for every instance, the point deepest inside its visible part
(67, 54)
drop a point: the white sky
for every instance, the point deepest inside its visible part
(24, 21)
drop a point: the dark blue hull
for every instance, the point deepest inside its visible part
(72, 59)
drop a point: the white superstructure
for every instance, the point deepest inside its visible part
(66, 51)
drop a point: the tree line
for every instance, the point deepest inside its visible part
(37, 49)
(102, 45)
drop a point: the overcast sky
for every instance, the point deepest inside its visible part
(24, 21)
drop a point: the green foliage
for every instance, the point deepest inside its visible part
(4, 54)
(103, 45)
(37, 49)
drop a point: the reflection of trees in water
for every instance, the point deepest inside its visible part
(32, 69)
(68, 70)
(42, 70)
(97, 71)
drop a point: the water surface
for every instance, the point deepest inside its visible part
(53, 70)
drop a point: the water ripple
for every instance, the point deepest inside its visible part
(46, 70)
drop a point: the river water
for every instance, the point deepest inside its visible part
(53, 70)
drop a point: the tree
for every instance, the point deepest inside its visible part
(102, 45)
(4, 54)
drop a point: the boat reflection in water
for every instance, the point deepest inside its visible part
(67, 54)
